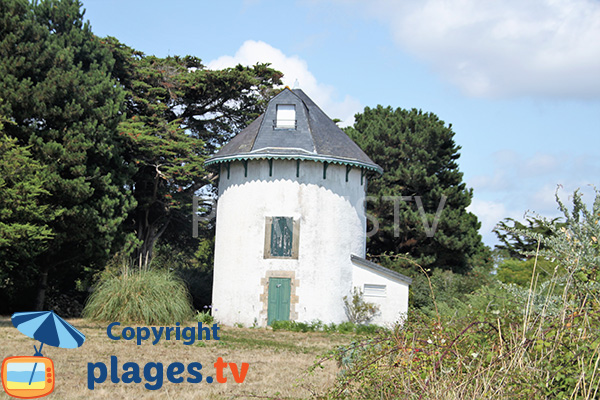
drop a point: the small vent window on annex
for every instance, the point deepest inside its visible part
(286, 116)
(281, 237)
(374, 290)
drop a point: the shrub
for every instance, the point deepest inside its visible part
(508, 342)
(357, 309)
(367, 329)
(519, 272)
(346, 327)
(319, 326)
(451, 289)
(205, 317)
(292, 326)
(151, 297)
(283, 325)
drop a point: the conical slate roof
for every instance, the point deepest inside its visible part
(312, 136)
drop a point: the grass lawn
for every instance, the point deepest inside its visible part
(278, 361)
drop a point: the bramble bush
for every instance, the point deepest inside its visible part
(505, 342)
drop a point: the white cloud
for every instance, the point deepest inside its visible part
(543, 164)
(503, 47)
(515, 172)
(499, 180)
(489, 214)
(544, 197)
(527, 184)
(294, 69)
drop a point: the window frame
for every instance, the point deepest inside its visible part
(381, 287)
(268, 234)
(286, 123)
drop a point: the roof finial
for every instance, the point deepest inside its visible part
(296, 84)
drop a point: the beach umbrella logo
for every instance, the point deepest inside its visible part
(31, 377)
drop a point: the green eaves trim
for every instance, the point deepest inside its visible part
(370, 167)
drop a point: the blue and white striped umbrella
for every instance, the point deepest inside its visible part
(48, 328)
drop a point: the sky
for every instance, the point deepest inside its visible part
(519, 80)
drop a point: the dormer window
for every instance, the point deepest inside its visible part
(286, 116)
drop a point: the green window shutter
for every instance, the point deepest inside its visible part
(282, 232)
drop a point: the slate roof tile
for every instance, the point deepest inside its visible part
(315, 137)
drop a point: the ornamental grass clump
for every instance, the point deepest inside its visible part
(150, 297)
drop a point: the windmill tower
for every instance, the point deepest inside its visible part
(291, 229)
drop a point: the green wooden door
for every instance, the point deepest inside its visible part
(279, 299)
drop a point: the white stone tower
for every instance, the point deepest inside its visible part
(290, 215)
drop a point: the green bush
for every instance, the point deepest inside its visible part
(151, 297)
(502, 341)
(357, 309)
(293, 326)
(346, 327)
(283, 325)
(205, 317)
(519, 272)
(451, 289)
(459, 358)
(367, 329)
(319, 326)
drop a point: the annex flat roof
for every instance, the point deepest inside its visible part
(382, 270)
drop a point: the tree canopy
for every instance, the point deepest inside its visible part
(62, 102)
(177, 113)
(419, 157)
(110, 143)
(24, 233)
(515, 243)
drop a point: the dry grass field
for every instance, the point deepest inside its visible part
(278, 361)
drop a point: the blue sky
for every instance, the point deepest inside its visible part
(519, 80)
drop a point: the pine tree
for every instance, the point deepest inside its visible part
(58, 93)
(178, 113)
(419, 157)
(24, 233)
(515, 244)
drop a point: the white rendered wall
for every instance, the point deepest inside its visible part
(332, 226)
(394, 305)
